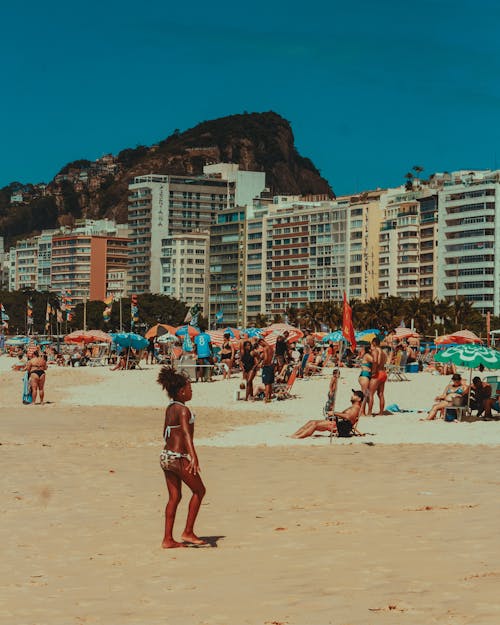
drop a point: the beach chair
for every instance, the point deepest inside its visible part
(396, 373)
(284, 390)
(99, 355)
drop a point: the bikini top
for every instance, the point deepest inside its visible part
(169, 428)
(367, 364)
(458, 390)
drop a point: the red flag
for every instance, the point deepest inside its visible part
(347, 327)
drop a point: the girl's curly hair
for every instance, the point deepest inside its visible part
(171, 380)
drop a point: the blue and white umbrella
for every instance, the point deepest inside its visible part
(334, 337)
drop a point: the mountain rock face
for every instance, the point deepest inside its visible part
(96, 189)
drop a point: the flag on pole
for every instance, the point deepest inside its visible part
(4, 317)
(48, 312)
(134, 311)
(192, 315)
(29, 312)
(67, 304)
(347, 327)
(106, 313)
(219, 316)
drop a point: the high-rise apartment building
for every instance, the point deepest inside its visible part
(184, 268)
(160, 206)
(407, 235)
(227, 266)
(86, 264)
(469, 239)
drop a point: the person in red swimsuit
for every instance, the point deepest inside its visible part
(379, 376)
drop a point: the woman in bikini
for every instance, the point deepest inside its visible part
(249, 364)
(178, 459)
(365, 375)
(227, 356)
(36, 369)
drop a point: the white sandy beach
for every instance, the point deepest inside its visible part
(309, 532)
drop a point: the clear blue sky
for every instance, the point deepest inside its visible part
(371, 87)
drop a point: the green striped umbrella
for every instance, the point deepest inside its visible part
(470, 355)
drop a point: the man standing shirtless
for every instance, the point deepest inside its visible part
(379, 376)
(267, 369)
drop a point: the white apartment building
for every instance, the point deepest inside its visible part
(300, 251)
(407, 234)
(184, 268)
(469, 239)
(160, 206)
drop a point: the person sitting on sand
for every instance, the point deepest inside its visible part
(330, 425)
(480, 397)
(178, 458)
(456, 388)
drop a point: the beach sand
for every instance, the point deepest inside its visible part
(399, 526)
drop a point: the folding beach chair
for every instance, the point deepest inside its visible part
(284, 389)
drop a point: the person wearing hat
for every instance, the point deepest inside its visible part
(334, 421)
(456, 388)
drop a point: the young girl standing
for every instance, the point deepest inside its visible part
(178, 459)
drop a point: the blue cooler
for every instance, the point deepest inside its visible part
(412, 367)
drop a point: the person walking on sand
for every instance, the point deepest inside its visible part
(249, 364)
(379, 376)
(267, 369)
(178, 458)
(36, 369)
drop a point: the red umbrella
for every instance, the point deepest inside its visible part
(406, 333)
(87, 336)
(462, 336)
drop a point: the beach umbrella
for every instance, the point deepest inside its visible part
(183, 330)
(159, 330)
(366, 335)
(471, 356)
(87, 336)
(465, 336)
(272, 332)
(130, 339)
(166, 338)
(405, 333)
(251, 332)
(334, 337)
(16, 341)
(234, 333)
(217, 337)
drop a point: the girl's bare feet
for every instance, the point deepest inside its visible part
(193, 539)
(171, 544)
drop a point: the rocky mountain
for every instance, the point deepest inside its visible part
(94, 189)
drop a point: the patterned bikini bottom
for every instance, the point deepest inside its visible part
(172, 461)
